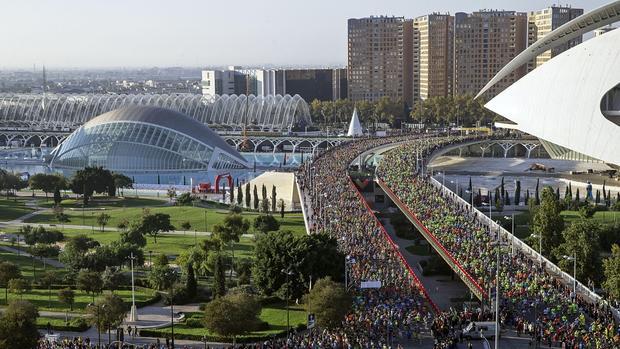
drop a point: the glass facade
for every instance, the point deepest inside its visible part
(138, 146)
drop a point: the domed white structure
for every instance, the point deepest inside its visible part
(146, 139)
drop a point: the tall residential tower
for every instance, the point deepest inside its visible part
(485, 41)
(433, 56)
(380, 58)
(543, 22)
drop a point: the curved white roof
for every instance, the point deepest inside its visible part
(594, 19)
(560, 101)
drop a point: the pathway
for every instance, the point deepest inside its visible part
(52, 262)
(441, 288)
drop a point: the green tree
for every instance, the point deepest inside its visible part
(282, 206)
(185, 199)
(248, 198)
(186, 226)
(581, 238)
(133, 235)
(19, 287)
(18, 326)
(57, 197)
(121, 181)
(107, 313)
(265, 223)
(102, 220)
(75, 251)
(92, 180)
(274, 198)
(611, 270)
(162, 277)
(518, 193)
(89, 282)
(329, 302)
(47, 182)
(230, 231)
(244, 271)
(264, 206)
(219, 278)
(239, 195)
(8, 272)
(66, 296)
(191, 286)
(536, 195)
(256, 201)
(46, 281)
(112, 278)
(232, 315)
(153, 224)
(548, 222)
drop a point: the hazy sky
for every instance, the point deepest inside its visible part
(145, 33)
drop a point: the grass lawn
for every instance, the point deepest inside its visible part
(274, 315)
(602, 217)
(178, 215)
(170, 244)
(418, 250)
(24, 263)
(104, 202)
(40, 298)
(10, 209)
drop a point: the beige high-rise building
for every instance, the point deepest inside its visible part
(433, 56)
(380, 58)
(541, 23)
(485, 41)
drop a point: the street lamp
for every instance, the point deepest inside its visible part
(133, 315)
(574, 259)
(456, 191)
(288, 320)
(171, 276)
(98, 310)
(512, 238)
(347, 261)
(471, 196)
(539, 236)
(206, 220)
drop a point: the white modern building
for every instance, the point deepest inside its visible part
(236, 80)
(577, 111)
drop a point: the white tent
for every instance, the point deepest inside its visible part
(355, 128)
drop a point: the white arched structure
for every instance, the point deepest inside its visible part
(561, 100)
(583, 24)
(566, 102)
(69, 111)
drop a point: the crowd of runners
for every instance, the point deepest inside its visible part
(529, 294)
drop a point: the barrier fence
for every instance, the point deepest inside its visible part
(474, 287)
(534, 255)
(418, 284)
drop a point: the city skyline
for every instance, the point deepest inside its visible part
(195, 34)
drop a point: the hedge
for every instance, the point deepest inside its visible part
(215, 338)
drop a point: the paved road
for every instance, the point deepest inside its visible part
(49, 261)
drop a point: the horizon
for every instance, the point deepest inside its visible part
(147, 35)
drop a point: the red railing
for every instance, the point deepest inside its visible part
(416, 281)
(479, 291)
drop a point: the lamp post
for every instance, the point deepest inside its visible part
(347, 261)
(150, 260)
(574, 259)
(288, 320)
(539, 236)
(98, 309)
(456, 190)
(205, 219)
(133, 315)
(512, 238)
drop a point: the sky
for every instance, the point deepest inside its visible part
(201, 33)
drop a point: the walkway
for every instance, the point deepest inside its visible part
(49, 261)
(442, 289)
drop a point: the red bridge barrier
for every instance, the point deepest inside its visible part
(430, 237)
(416, 281)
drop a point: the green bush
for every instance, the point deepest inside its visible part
(194, 322)
(214, 338)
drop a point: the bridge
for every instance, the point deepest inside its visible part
(506, 145)
(18, 137)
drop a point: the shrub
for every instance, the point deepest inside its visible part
(194, 323)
